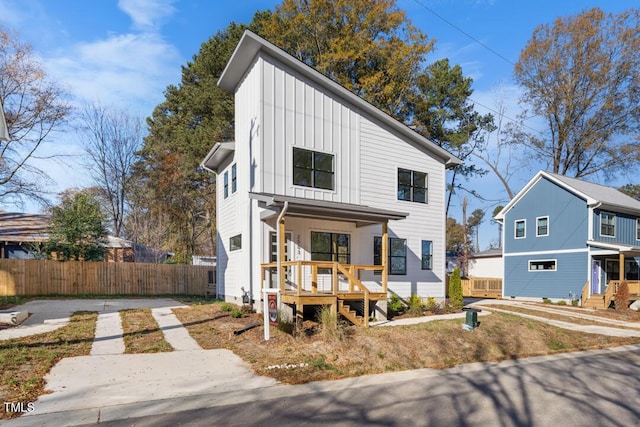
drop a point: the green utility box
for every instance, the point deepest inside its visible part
(471, 320)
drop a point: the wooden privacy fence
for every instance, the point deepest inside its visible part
(37, 277)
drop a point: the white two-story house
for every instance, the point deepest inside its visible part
(345, 201)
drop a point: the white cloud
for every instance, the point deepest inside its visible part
(128, 70)
(147, 14)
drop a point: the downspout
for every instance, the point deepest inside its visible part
(279, 237)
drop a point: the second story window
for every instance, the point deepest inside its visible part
(607, 224)
(233, 179)
(226, 185)
(637, 228)
(520, 229)
(542, 226)
(313, 169)
(412, 186)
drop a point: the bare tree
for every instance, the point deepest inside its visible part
(499, 156)
(111, 139)
(34, 108)
(582, 75)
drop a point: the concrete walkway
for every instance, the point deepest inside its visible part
(591, 329)
(108, 337)
(174, 332)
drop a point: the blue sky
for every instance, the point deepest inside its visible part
(124, 54)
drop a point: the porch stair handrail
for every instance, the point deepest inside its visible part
(353, 281)
(585, 294)
(609, 293)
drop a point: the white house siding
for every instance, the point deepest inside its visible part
(238, 209)
(298, 113)
(382, 154)
(486, 267)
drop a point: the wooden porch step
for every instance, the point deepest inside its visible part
(595, 301)
(354, 296)
(351, 315)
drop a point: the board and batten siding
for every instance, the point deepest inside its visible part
(569, 275)
(382, 153)
(297, 113)
(568, 219)
(625, 230)
(234, 213)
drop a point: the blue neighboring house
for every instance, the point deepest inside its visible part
(564, 237)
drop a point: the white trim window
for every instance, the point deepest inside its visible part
(235, 243)
(543, 265)
(637, 228)
(542, 226)
(520, 229)
(607, 224)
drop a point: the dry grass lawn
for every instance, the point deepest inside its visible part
(360, 351)
(25, 361)
(141, 333)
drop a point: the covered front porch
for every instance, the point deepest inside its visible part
(611, 265)
(327, 277)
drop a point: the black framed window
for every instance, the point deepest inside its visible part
(233, 179)
(412, 186)
(235, 242)
(427, 255)
(397, 256)
(226, 185)
(313, 169)
(607, 224)
(331, 247)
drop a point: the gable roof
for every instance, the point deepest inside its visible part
(251, 45)
(23, 227)
(595, 195)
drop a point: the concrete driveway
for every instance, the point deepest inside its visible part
(108, 377)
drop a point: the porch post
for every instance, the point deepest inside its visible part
(385, 255)
(621, 266)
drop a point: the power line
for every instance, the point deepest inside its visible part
(499, 55)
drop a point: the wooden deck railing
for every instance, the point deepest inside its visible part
(482, 287)
(304, 276)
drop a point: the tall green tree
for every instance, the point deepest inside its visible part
(631, 190)
(77, 231)
(174, 192)
(368, 46)
(581, 74)
(442, 111)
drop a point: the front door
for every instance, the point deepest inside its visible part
(596, 273)
(273, 257)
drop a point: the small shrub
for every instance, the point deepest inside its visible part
(226, 306)
(395, 305)
(562, 302)
(415, 306)
(431, 304)
(622, 297)
(329, 327)
(546, 300)
(455, 290)
(236, 313)
(574, 302)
